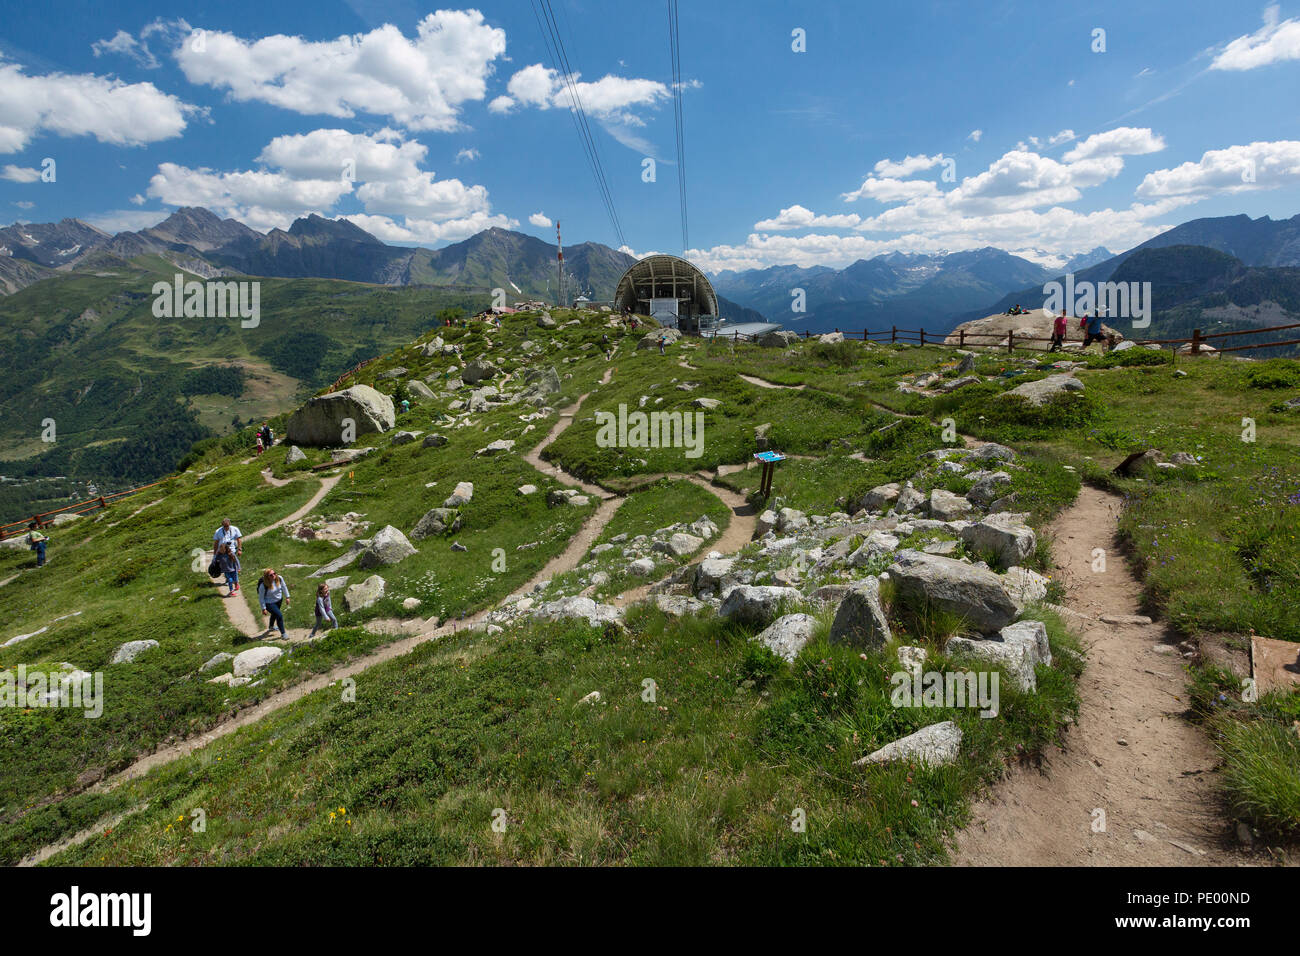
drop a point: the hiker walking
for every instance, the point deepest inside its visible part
(1059, 326)
(1092, 326)
(36, 540)
(324, 610)
(662, 339)
(227, 534)
(228, 564)
(268, 439)
(272, 595)
(259, 442)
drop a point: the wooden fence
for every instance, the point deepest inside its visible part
(964, 339)
(46, 518)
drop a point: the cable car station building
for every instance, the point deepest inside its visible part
(671, 291)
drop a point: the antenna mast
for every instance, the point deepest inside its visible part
(559, 268)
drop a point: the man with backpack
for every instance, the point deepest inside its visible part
(1092, 326)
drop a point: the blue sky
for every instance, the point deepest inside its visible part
(912, 127)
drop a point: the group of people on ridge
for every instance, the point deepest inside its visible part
(272, 589)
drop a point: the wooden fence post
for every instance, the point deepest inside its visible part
(864, 335)
(1196, 342)
(1011, 340)
(893, 334)
(923, 336)
(961, 338)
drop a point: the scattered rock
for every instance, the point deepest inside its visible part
(973, 594)
(1036, 393)
(364, 594)
(129, 651)
(860, 619)
(249, 662)
(787, 635)
(756, 605)
(935, 746)
(387, 547)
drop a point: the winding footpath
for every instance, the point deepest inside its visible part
(1132, 754)
(738, 533)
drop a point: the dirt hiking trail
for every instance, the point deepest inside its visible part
(1131, 753)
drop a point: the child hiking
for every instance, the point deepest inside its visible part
(228, 564)
(324, 610)
(272, 594)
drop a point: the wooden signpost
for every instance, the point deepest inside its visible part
(768, 459)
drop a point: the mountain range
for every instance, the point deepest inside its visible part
(195, 239)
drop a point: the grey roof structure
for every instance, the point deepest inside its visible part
(666, 277)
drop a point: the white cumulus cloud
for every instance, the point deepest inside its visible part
(420, 83)
(1274, 42)
(63, 104)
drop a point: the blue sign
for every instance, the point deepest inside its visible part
(768, 457)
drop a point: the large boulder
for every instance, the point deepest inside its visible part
(462, 494)
(651, 341)
(249, 662)
(712, 573)
(364, 593)
(880, 497)
(779, 339)
(935, 745)
(756, 605)
(294, 455)
(787, 635)
(1036, 393)
(989, 487)
(321, 421)
(973, 594)
(1004, 535)
(946, 506)
(387, 547)
(877, 545)
(477, 371)
(860, 619)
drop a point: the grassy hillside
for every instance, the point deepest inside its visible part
(734, 743)
(86, 351)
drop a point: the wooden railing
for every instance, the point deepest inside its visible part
(45, 518)
(1010, 339)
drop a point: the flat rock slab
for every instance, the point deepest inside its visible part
(1126, 620)
(1276, 664)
